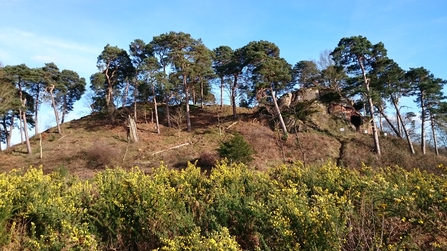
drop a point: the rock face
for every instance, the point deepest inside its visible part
(346, 112)
(304, 94)
(337, 105)
(285, 100)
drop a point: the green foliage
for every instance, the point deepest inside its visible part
(290, 207)
(236, 149)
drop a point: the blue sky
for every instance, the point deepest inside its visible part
(72, 33)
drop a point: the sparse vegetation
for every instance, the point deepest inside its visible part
(101, 155)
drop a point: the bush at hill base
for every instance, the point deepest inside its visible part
(232, 208)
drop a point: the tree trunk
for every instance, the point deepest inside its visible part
(25, 127)
(194, 98)
(233, 97)
(395, 130)
(381, 117)
(371, 110)
(156, 110)
(168, 116)
(20, 112)
(422, 124)
(64, 109)
(399, 117)
(167, 98)
(221, 91)
(56, 115)
(36, 111)
(435, 141)
(5, 129)
(188, 117)
(109, 96)
(201, 93)
(21, 125)
(132, 135)
(6, 132)
(399, 126)
(135, 94)
(126, 93)
(278, 111)
(374, 127)
(8, 137)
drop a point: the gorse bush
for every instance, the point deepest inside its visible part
(46, 212)
(236, 149)
(231, 208)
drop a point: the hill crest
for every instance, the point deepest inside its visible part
(90, 144)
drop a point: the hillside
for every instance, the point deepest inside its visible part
(89, 144)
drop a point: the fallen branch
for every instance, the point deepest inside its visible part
(174, 147)
(231, 125)
(62, 137)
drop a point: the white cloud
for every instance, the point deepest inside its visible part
(19, 46)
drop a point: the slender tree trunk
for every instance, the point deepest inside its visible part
(399, 117)
(135, 94)
(435, 141)
(382, 113)
(20, 111)
(399, 127)
(233, 97)
(36, 111)
(8, 137)
(167, 98)
(22, 138)
(126, 93)
(188, 117)
(371, 110)
(110, 105)
(109, 96)
(56, 115)
(221, 91)
(201, 93)
(132, 135)
(156, 110)
(25, 127)
(5, 129)
(168, 116)
(422, 124)
(64, 109)
(395, 101)
(381, 116)
(193, 94)
(278, 111)
(374, 127)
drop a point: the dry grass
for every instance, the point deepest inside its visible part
(89, 144)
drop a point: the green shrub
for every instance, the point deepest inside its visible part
(236, 149)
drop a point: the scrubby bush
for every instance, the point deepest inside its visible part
(101, 155)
